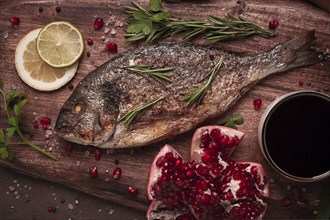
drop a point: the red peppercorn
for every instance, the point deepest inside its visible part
(301, 82)
(98, 23)
(98, 154)
(93, 171)
(90, 41)
(273, 24)
(112, 47)
(133, 191)
(36, 124)
(257, 104)
(15, 20)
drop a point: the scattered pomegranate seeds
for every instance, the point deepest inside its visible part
(257, 104)
(36, 124)
(301, 82)
(112, 47)
(273, 24)
(98, 23)
(116, 174)
(133, 191)
(98, 154)
(93, 171)
(15, 20)
(90, 41)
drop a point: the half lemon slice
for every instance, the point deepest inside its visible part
(60, 44)
(34, 71)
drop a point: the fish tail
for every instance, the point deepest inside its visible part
(295, 53)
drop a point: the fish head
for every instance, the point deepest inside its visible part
(88, 117)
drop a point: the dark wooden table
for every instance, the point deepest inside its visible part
(71, 171)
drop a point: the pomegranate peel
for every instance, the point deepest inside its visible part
(154, 171)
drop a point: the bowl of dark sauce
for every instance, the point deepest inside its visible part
(294, 135)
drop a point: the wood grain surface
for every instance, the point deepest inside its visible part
(295, 17)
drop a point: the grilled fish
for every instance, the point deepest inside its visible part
(90, 115)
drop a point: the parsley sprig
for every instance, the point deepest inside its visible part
(197, 95)
(13, 115)
(155, 23)
(159, 74)
(133, 114)
(233, 121)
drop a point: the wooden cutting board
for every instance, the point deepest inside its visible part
(295, 17)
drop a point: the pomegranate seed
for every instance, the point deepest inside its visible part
(160, 161)
(133, 191)
(45, 120)
(116, 174)
(36, 124)
(49, 209)
(257, 104)
(301, 82)
(273, 24)
(224, 140)
(178, 162)
(98, 154)
(93, 171)
(215, 134)
(90, 41)
(98, 23)
(286, 201)
(68, 149)
(112, 47)
(206, 199)
(15, 20)
(44, 126)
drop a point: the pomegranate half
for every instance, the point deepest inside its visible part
(209, 185)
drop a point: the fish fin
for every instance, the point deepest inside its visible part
(296, 52)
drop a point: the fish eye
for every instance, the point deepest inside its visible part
(77, 108)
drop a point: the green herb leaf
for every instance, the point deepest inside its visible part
(2, 135)
(155, 5)
(18, 107)
(11, 131)
(197, 95)
(10, 96)
(1, 85)
(233, 121)
(131, 115)
(161, 16)
(12, 120)
(4, 154)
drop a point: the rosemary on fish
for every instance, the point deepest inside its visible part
(159, 74)
(131, 115)
(155, 23)
(197, 95)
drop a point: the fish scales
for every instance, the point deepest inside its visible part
(110, 91)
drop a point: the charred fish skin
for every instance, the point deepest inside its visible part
(110, 91)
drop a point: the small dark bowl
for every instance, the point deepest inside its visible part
(265, 135)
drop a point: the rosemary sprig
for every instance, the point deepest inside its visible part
(131, 115)
(13, 118)
(158, 74)
(197, 95)
(154, 23)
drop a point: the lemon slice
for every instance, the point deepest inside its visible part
(34, 71)
(60, 44)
